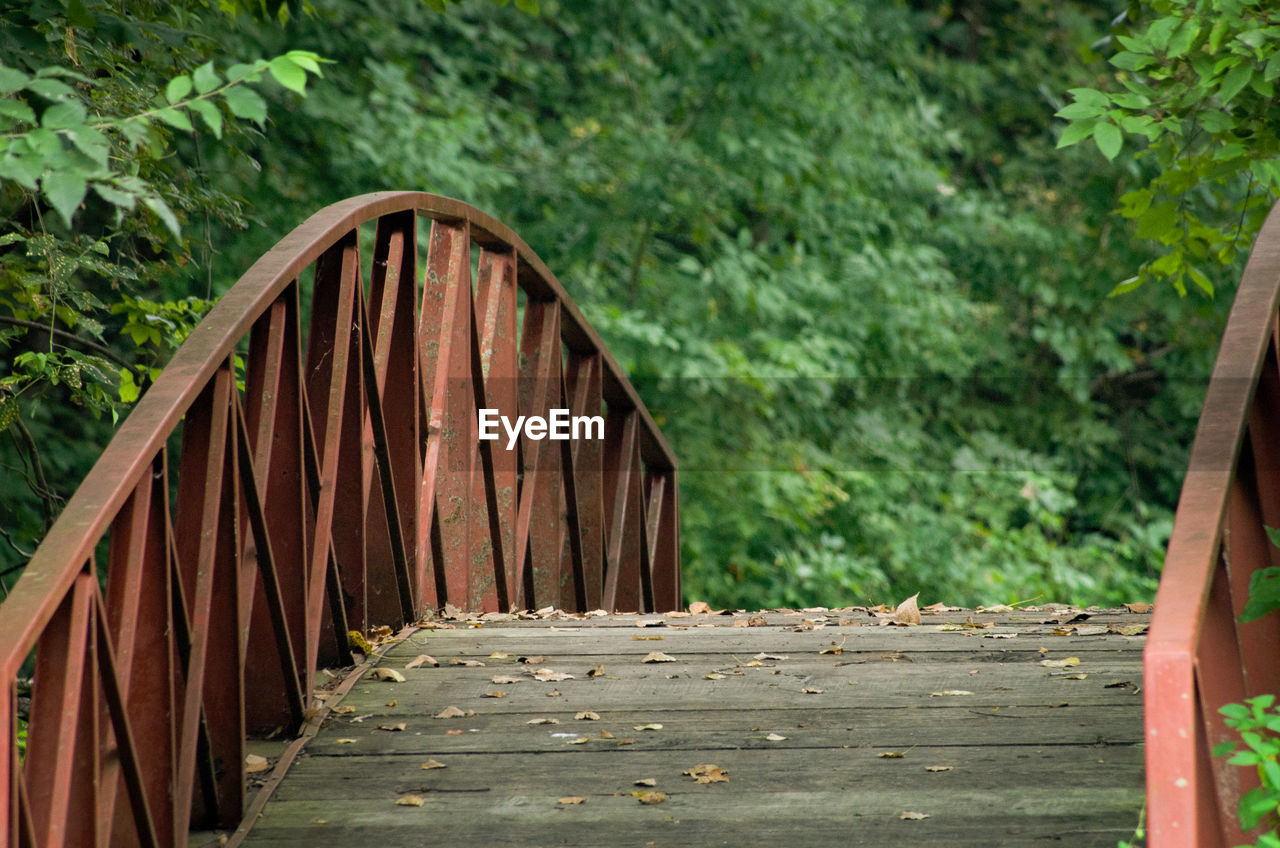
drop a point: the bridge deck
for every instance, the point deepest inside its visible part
(996, 748)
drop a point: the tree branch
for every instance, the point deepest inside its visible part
(80, 341)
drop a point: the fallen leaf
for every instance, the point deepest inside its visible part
(651, 622)
(453, 733)
(498, 655)
(571, 800)
(996, 608)
(454, 712)
(554, 693)
(757, 621)
(587, 715)
(1128, 629)
(657, 657)
(548, 675)
(1141, 607)
(910, 816)
(654, 726)
(651, 797)
(775, 737)
(565, 629)
(937, 768)
(387, 675)
(1065, 663)
(467, 663)
(344, 741)
(254, 763)
(1091, 630)
(891, 755)
(833, 648)
(645, 781)
(626, 741)
(598, 671)
(530, 660)
(392, 728)
(580, 740)
(648, 638)
(410, 801)
(505, 679)
(715, 675)
(950, 692)
(700, 608)
(345, 709)
(1079, 675)
(543, 721)
(908, 612)
(421, 659)
(763, 656)
(998, 635)
(707, 773)
(1118, 684)
(812, 690)
(604, 734)
(497, 693)
(433, 764)
(392, 702)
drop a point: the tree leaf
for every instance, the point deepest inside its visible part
(50, 89)
(11, 79)
(211, 115)
(1109, 139)
(206, 78)
(288, 74)
(178, 88)
(175, 118)
(1235, 80)
(64, 115)
(64, 189)
(162, 210)
(245, 103)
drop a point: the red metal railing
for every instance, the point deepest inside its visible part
(1198, 656)
(324, 478)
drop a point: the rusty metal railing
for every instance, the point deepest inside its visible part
(1198, 655)
(327, 478)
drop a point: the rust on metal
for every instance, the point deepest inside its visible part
(330, 475)
(1199, 656)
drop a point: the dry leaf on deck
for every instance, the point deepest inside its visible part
(254, 763)
(421, 659)
(715, 675)
(910, 816)
(950, 692)
(571, 800)
(393, 728)
(453, 733)
(543, 721)
(651, 622)
(812, 690)
(604, 734)
(1128, 629)
(707, 773)
(775, 737)
(651, 797)
(699, 608)
(548, 675)
(1064, 663)
(433, 764)
(908, 611)
(764, 656)
(344, 741)
(648, 638)
(467, 663)
(587, 715)
(654, 726)
(580, 740)
(645, 781)
(498, 655)
(497, 693)
(598, 671)
(454, 712)
(937, 768)
(388, 675)
(1141, 607)
(657, 657)
(530, 660)
(410, 801)
(504, 678)
(554, 693)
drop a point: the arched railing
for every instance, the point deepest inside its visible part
(1198, 655)
(329, 476)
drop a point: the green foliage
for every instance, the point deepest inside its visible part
(1258, 723)
(1264, 587)
(1192, 93)
(99, 179)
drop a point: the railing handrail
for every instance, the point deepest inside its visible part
(608, 510)
(48, 575)
(1193, 634)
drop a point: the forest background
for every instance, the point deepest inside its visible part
(835, 243)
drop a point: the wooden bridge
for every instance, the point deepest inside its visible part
(309, 469)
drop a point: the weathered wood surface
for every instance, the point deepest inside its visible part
(1034, 756)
